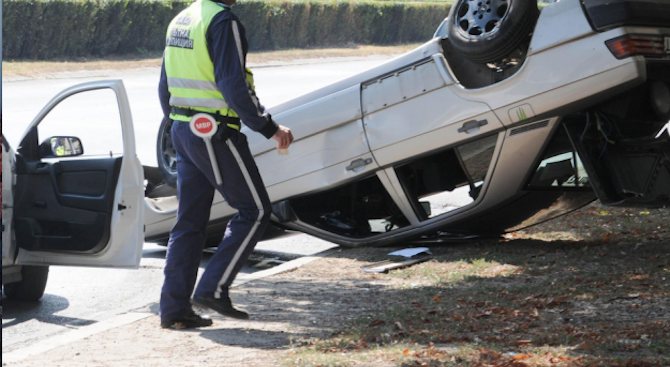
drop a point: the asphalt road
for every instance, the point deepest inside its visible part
(77, 297)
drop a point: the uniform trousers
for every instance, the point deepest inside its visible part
(242, 188)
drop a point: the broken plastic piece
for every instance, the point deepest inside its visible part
(411, 252)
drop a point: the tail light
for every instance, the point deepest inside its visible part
(636, 44)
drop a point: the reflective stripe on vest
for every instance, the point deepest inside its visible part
(189, 68)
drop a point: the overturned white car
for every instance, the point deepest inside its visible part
(502, 121)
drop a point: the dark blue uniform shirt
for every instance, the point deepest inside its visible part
(228, 47)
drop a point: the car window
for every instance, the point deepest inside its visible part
(560, 166)
(91, 116)
(447, 180)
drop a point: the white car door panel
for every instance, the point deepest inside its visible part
(320, 151)
(329, 138)
(431, 121)
(324, 179)
(312, 118)
(87, 210)
(7, 205)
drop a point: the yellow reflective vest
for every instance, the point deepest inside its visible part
(189, 68)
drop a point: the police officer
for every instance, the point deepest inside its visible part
(204, 70)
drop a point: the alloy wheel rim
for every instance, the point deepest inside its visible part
(481, 18)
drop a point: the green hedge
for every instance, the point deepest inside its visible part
(45, 29)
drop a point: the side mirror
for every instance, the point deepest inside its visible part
(61, 146)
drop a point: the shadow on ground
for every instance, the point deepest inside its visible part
(44, 310)
(602, 301)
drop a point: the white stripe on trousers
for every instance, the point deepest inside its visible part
(261, 211)
(240, 51)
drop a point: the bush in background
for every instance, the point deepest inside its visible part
(45, 29)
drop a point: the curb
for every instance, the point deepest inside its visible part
(242, 279)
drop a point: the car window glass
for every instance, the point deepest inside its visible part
(91, 116)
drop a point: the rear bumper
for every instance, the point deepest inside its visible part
(607, 14)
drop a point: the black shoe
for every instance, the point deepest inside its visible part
(190, 321)
(220, 305)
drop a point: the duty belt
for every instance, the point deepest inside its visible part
(231, 122)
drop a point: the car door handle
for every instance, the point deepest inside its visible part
(472, 126)
(359, 164)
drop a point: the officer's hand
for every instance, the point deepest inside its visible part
(283, 136)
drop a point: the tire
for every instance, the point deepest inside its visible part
(493, 29)
(32, 285)
(166, 154)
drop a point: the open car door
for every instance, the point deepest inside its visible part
(76, 204)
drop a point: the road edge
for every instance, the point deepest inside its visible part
(60, 340)
(120, 73)
(72, 336)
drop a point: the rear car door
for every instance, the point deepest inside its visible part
(80, 203)
(435, 147)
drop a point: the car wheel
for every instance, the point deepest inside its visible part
(32, 285)
(166, 153)
(489, 30)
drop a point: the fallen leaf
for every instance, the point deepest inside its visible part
(582, 346)
(377, 322)
(607, 236)
(559, 359)
(362, 345)
(437, 298)
(488, 353)
(521, 356)
(406, 352)
(399, 326)
(522, 342)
